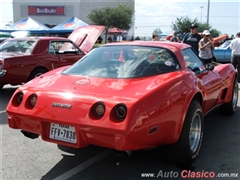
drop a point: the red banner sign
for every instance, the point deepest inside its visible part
(45, 10)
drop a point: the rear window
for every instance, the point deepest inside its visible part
(20, 46)
(125, 62)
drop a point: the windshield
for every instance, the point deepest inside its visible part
(225, 45)
(21, 46)
(125, 62)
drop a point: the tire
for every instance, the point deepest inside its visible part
(230, 107)
(187, 148)
(36, 72)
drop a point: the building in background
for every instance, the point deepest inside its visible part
(54, 12)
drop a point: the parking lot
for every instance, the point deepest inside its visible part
(26, 159)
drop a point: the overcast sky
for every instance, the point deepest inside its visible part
(151, 14)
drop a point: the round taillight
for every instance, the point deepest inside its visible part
(97, 111)
(33, 100)
(19, 98)
(121, 111)
(100, 109)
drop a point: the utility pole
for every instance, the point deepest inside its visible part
(201, 12)
(208, 10)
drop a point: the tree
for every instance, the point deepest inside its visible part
(157, 31)
(215, 32)
(182, 25)
(119, 17)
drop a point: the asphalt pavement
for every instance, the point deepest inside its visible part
(22, 158)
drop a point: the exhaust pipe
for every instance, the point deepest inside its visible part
(30, 135)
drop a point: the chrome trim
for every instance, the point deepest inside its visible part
(3, 73)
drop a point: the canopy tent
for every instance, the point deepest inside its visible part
(68, 26)
(116, 31)
(27, 24)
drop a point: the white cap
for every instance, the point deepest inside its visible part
(206, 32)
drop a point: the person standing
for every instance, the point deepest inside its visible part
(174, 38)
(235, 59)
(154, 37)
(192, 38)
(206, 45)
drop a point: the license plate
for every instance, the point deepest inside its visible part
(63, 132)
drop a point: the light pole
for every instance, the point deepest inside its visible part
(208, 12)
(201, 11)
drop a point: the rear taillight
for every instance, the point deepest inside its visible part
(97, 110)
(17, 99)
(31, 101)
(119, 112)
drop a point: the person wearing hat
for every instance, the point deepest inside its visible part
(206, 45)
(174, 38)
(192, 38)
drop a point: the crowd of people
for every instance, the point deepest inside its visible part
(204, 45)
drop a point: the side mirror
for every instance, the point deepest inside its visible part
(209, 66)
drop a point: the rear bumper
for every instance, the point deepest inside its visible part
(86, 135)
(3, 73)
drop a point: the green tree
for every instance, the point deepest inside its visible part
(215, 32)
(119, 17)
(182, 25)
(205, 26)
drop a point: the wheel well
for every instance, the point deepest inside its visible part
(198, 97)
(37, 68)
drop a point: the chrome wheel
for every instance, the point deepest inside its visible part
(235, 96)
(195, 132)
(38, 74)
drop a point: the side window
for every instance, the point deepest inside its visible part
(192, 61)
(63, 47)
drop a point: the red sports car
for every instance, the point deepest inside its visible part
(22, 59)
(127, 96)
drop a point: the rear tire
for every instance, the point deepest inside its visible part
(37, 72)
(230, 107)
(187, 148)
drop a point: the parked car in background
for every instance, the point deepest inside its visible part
(4, 36)
(127, 96)
(222, 53)
(22, 59)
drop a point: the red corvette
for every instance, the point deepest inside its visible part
(127, 96)
(22, 59)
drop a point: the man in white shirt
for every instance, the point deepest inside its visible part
(235, 47)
